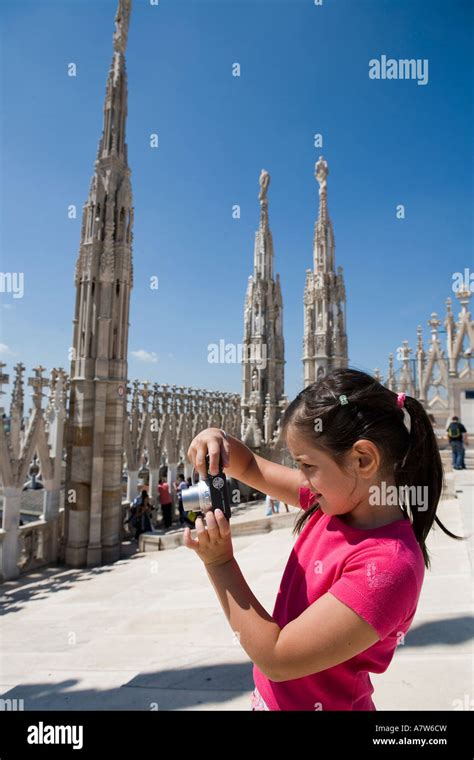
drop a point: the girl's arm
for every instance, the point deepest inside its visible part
(280, 482)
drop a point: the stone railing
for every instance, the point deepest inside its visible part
(31, 442)
(37, 545)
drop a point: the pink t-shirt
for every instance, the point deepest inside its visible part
(377, 572)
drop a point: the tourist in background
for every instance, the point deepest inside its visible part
(457, 437)
(180, 485)
(272, 505)
(166, 503)
(140, 514)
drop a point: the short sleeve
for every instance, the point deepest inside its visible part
(380, 587)
(306, 498)
(463, 429)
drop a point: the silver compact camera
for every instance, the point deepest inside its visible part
(209, 494)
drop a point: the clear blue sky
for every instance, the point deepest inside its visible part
(304, 69)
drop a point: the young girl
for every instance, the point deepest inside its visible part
(351, 585)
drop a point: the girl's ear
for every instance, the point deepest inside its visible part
(366, 458)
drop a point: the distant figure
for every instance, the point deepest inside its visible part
(166, 503)
(140, 514)
(179, 486)
(272, 505)
(457, 437)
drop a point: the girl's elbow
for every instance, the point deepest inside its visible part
(277, 672)
(280, 672)
(272, 670)
(274, 676)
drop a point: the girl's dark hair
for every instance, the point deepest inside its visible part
(372, 413)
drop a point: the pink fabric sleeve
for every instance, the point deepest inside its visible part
(379, 587)
(305, 498)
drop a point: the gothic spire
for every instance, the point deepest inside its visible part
(263, 344)
(323, 231)
(99, 368)
(263, 252)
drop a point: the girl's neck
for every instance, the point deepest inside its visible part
(367, 516)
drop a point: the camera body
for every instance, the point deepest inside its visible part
(209, 494)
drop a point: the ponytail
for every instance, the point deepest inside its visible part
(422, 467)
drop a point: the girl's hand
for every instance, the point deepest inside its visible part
(213, 544)
(209, 441)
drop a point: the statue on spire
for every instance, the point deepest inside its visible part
(122, 18)
(264, 181)
(321, 172)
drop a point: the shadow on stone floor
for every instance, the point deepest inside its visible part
(171, 689)
(452, 631)
(38, 584)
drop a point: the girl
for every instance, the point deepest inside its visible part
(351, 585)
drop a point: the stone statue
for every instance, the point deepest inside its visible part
(321, 172)
(254, 379)
(121, 26)
(247, 316)
(264, 181)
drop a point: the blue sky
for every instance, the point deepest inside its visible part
(304, 70)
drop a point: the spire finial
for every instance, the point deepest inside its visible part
(264, 181)
(419, 335)
(321, 172)
(122, 18)
(434, 324)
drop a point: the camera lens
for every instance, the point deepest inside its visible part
(197, 498)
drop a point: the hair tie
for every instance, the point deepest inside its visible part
(343, 400)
